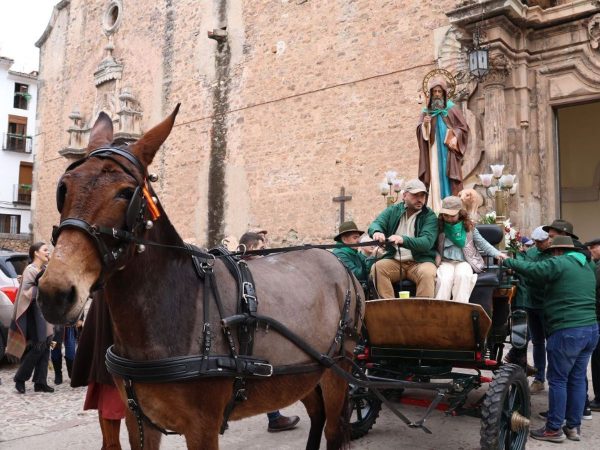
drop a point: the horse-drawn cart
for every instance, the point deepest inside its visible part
(444, 346)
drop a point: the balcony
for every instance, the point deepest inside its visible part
(20, 143)
(22, 194)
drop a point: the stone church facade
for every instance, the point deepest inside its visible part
(286, 101)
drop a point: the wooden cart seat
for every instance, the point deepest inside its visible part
(424, 323)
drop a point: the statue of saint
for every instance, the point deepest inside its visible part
(442, 135)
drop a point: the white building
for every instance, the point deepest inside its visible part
(18, 98)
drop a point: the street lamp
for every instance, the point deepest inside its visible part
(389, 186)
(500, 187)
(479, 61)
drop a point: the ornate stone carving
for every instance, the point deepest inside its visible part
(499, 69)
(108, 69)
(593, 29)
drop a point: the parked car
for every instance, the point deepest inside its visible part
(12, 265)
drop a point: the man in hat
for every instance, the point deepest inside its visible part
(594, 248)
(442, 135)
(410, 229)
(572, 329)
(560, 227)
(533, 303)
(354, 260)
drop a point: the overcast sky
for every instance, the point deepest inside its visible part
(22, 23)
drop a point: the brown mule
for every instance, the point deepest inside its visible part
(155, 299)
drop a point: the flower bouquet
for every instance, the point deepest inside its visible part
(512, 238)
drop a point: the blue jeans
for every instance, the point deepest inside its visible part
(70, 343)
(535, 322)
(569, 352)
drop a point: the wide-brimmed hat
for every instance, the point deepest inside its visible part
(562, 226)
(562, 242)
(347, 227)
(451, 205)
(539, 234)
(592, 242)
(415, 186)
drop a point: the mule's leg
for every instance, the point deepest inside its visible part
(110, 433)
(335, 399)
(315, 409)
(151, 436)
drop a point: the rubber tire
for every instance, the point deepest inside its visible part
(359, 428)
(492, 408)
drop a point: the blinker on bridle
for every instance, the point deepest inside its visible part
(142, 201)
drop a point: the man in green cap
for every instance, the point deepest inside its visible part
(355, 261)
(572, 329)
(411, 230)
(594, 248)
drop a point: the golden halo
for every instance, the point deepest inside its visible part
(443, 72)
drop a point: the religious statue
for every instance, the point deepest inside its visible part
(442, 135)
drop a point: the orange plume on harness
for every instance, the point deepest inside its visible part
(154, 212)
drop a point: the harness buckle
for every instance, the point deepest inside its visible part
(132, 405)
(268, 366)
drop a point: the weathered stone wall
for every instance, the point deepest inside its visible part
(15, 242)
(302, 98)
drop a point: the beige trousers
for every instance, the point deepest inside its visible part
(456, 280)
(385, 272)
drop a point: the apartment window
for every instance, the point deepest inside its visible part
(22, 96)
(16, 139)
(10, 223)
(25, 180)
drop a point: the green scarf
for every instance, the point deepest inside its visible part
(442, 112)
(456, 233)
(580, 257)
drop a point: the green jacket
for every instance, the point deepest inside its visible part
(422, 245)
(355, 261)
(535, 291)
(569, 296)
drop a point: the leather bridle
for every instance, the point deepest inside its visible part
(142, 201)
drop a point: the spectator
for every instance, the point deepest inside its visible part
(410, 228)
(29, 329)
(277, 421)
(594, 247)
(570, 321)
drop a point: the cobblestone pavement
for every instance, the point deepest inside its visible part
(38, 421)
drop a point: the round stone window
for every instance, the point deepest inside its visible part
(112, 16)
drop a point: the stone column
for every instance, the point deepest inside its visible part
(494, 120)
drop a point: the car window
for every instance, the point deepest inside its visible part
(15, 265)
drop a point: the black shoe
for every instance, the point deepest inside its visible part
(58, 378)
(20, 386)
(42, 388)
(283, 423)
(595, 405)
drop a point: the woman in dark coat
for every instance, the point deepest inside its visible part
(89, 370)
(28, 329)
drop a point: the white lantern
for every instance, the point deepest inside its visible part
(497, 170)
(486, 179)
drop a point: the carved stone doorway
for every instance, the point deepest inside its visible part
(578, 138)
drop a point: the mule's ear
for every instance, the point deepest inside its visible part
(149, 143)
(102, 132)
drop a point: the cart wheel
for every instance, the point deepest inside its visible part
(506, 410)
(365, 410)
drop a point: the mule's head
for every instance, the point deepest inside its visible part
(103, 201)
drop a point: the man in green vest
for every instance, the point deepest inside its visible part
(355, 261)
(411, 230)
(572, 329)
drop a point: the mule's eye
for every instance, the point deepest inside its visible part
(126, 194)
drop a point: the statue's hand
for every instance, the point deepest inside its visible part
(453, 144)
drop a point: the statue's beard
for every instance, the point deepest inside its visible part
(437, 103)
